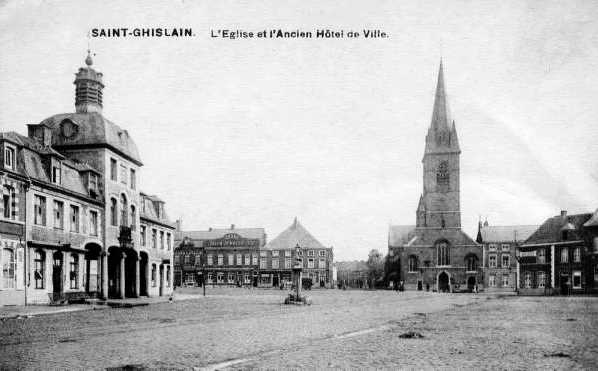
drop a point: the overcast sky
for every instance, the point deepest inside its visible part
(255, 132)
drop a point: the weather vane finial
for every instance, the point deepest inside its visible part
(88, 60)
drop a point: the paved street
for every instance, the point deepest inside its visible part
(241, 328)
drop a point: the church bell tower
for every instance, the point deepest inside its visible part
(88, 88)
(439, 205)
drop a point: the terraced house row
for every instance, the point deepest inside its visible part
(73, 222)
(242, 257)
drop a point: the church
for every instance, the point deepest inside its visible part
(436, 254)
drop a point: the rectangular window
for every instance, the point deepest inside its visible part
(239, 259)
(40, 210)
(253, 259)
(492, 247)
(505, 247)
(133, 179)
(274, 252)
(577, 279)
(177, 259)
(7, 202)
(93, 223)
(275, 263)
(322, 263)
(310, 253)
(9, 265)
(263, 254)
(142, 235)
(263, 263)
(247, 259)
(162, 240)
(322, 253)
(74, 218)
(220, 259)
(231, 259)
(220, 277)
(527, 280)
(113, 175)
(210, 260)
(186, 260)
(169, 241)
(287, 263)
(123, 174)
(246, 278)
(58, 214)
(541, 276)
(210, 277)
(93, 182)
(56, 174)
(192, 259)
(231, 277)
(564, 255)
(9, 158)
(168, 275)
(505, 280)
(541, 255)
(310, 263)
(287, 253)
(154, 238)
(492, 261)
(505, 260)
(492, 280)
(577, 255)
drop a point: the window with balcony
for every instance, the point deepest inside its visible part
(40, 210)
(58, 214)
(93, 222)
(75, 218)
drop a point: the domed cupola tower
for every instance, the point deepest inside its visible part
(89, 86)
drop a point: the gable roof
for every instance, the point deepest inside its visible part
(504, 233)
(216, 233)
(404, 235)
(550, 230)
(294, 235)
(593, 222)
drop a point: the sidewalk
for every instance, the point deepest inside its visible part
(20, 311)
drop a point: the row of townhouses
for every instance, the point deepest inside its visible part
(73, 222)
(559, 256)
(243, 257)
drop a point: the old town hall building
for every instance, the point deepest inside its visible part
(436, 254)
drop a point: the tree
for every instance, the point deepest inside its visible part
(375, 265)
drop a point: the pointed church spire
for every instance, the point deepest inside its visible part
(440, 115)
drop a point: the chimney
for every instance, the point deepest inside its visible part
(179, 224)
(210, 229)
(232, 226)
(563, 213)
(41, 133)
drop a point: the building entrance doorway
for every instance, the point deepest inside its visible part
(419, 285)
(161, 282)
(143, 273)
(470, 283)
(57, 274)
(564, 284)
(275, 280)
(443, 282)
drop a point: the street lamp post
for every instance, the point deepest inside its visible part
(203, 270)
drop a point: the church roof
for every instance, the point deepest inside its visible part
(551, 229)
(504, 233)
(294, 235)
(92, 129)
(409, 236)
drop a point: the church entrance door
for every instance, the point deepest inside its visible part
(443, 282)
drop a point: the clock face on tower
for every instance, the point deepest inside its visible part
(69, 128)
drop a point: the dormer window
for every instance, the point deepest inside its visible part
(56, 174)
(9, 157)
(93, 184)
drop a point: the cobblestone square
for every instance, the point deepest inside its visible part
(243, 328)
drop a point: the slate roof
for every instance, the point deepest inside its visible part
(550, 230)
(149, 209)
(403, 235)
(593, 222)
(293, 235)
(216, 233)
(505, 233)
(93, 128)
(30, 163)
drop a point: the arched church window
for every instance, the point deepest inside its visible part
(442, 174)
(443, 254)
